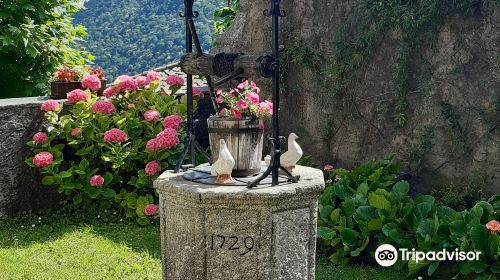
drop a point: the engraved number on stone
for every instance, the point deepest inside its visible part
(248, 240)
(220, 240)
(232, 247)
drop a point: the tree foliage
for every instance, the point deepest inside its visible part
(36, 36)
(131, 36)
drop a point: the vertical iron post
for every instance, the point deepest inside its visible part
(276, 13)
(188, 15)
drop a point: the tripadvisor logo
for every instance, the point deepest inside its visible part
(386, 255)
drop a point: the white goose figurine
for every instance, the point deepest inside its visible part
(289, 159)
(223, 167)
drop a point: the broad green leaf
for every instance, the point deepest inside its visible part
(48, 180)
(349, 236)
(432, 268)
(375, 224)
(326, 233)
(379, 201)
(108, 193)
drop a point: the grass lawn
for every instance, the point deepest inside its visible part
(55, 247)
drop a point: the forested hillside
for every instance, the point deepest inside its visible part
(130, 36)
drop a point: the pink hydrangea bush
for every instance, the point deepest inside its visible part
(103, 107)
(78, 95)
(115, 135)
(43, 159)
(40, 138)
(96, 181)
(152, 115)
(153, 168)
(51, 105)
(151, 209)
(173, 121)
(243, 102)
(108, 151)
(91, 82)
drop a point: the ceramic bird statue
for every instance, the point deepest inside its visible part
(267, 160)
(289, 159)
(223, 167)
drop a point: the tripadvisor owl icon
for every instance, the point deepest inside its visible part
(386, 255)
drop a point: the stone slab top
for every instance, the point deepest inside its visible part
(24, 101)
(311, 183)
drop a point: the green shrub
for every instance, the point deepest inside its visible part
(35, 38)
(366, 207)
(109, 152)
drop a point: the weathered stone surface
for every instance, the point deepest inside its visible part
(228, 232)
(20, 188)
(464, 69)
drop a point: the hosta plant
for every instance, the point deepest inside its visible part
(109, 151)
(368, 206)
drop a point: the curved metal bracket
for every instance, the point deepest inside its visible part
(267, 64)
(188, 10)
(275, 9)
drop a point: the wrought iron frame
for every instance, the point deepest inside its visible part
(268, 68)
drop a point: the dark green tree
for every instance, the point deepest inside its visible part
(131, 36)
(36, 36)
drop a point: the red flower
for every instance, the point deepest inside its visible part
(327, 167)
(151, 209)
(493, 225)
(40, 137)
(43, 159)
(96, 181)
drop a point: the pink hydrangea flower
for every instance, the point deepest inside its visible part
(110, 92)
(96, 181)
(153, 76)
(151, 209)
(236, 114)
(175, 80)
(43, 159)
(40, 137)
(50, 105)
(173, 121)
(103, 107)
(197, 92)
(91, 82)
(77, 131)
(493, 226)
(152, 168)
(166, 139)
(152, 115)
(252, 97)
(115, 135)
(77, 95)
(142, 81)
(242, 104)
(126, 83)
(266, 107)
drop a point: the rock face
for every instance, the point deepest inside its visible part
(451, 133)
(231, 232)
(20, 188)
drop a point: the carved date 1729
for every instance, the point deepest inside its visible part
(244, 245)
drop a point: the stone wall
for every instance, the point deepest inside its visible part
(20, 187)
(459, 101)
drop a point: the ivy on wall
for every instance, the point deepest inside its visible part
(416, 21)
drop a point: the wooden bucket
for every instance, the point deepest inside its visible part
(244, 139)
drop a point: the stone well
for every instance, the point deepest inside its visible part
(231, 232)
